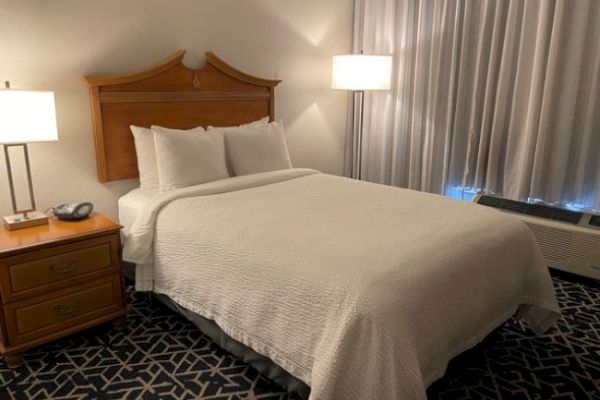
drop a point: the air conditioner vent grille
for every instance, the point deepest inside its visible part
(536, 210)
(564, 246)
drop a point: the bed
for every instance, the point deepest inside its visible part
(335, 288)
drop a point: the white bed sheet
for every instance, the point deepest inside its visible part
(131, 204)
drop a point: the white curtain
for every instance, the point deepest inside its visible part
(499, 95)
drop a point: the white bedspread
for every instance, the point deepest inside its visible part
(362, 291)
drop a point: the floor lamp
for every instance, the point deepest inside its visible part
(26, 116)
(359, 73)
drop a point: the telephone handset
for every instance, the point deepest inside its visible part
(73, 211)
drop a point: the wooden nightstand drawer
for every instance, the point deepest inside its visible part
(50, 269)
(53, 268)
(31, 319)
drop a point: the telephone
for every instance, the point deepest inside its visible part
(73, 211)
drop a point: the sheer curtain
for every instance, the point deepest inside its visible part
(497, 95)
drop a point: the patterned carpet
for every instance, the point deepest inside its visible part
(162, 356)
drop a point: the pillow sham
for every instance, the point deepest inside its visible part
(261, 149)
(190, 157)
(146, 156)
(254, 124)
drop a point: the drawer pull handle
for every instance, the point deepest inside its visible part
(66, 311)
(58, 269)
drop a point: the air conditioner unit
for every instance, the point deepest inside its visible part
(569, 240)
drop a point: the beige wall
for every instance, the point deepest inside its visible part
(51, 44)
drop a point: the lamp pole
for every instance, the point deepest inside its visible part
(359, 97)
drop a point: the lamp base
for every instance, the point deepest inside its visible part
(19, 221)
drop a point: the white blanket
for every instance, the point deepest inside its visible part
(362, 291)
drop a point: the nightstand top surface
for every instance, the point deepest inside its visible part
(56, 231)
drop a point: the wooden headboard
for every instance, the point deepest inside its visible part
(172, 95)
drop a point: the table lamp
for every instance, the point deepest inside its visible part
(358, 73)
(26, 116)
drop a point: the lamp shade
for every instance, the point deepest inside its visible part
(27, 116)
(361, 72)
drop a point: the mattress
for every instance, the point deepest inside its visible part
(131, 204)
(356, 289)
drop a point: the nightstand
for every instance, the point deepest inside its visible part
(58, 279)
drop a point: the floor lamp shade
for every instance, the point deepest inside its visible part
(26, 116)
(360, 72)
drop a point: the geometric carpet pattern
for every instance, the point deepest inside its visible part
(160, 355)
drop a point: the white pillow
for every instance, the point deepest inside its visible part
(190, 157)
(254, 124)
(146, 157)
(261, 149)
